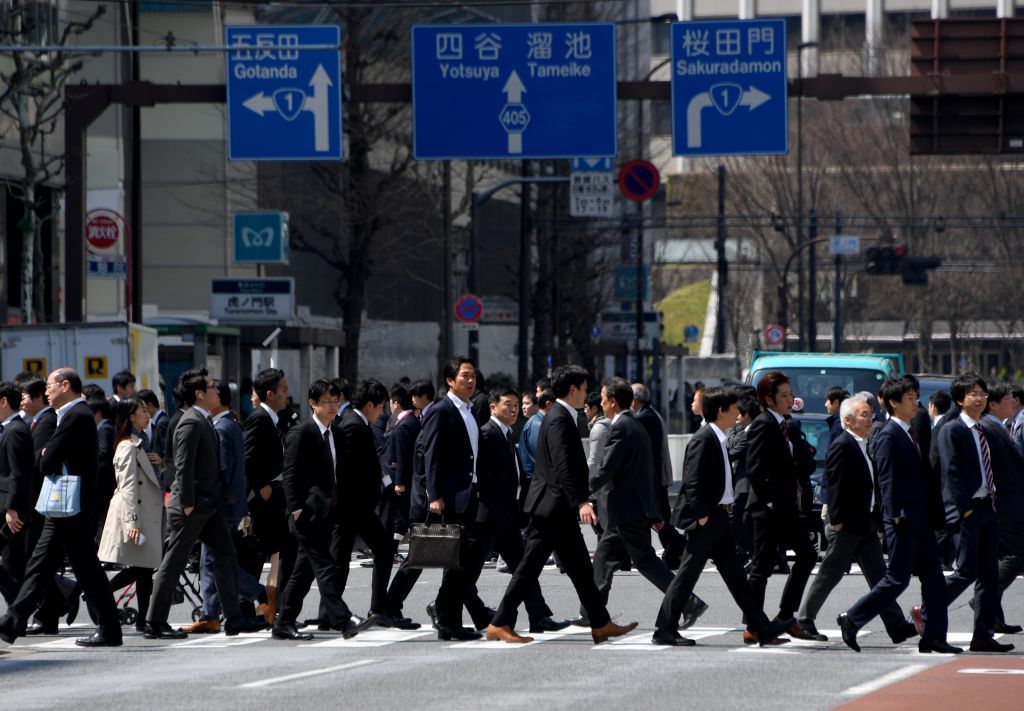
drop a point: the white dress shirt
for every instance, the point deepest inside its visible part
(728, 495)
(983, 491)
(63, 409)
(863, 444)
(472, 429)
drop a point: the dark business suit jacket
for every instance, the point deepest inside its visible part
(736, 444)
(359, 481)
(447, 455)
(74, 445)
(1008, 470)
(232, 465)
(309, 474)
(198, 480)
(498, 477)
(16, 469)
(401, 448)
(560, 474)
(961, 470)
(264, 454)
(703, 479)
(848, 485)
(899, 474)
(159, 443)
(772, 470)
(625, 482)
(649, 420)
(41, 434)
(106, 482)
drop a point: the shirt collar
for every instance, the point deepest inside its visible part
(459, 402)
(402, 415)
(778, 418)
(202, 411)
(903, 425)
(501, 425)
(221, 415)
(361, 416)
(859, 440)
(63, 409)
(41, 413)
(273, 415)
(968, 420)
(8, 420)
(322, 426)
(571, 410)
(722, 437)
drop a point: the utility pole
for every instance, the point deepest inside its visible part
(812, 282)
(721, 332)
(837, 296)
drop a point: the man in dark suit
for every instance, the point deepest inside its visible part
(558, 501)
(736, 445)
(909, 540)
(71, 449)
(194, 513)
(969, 491)
(312, 460)
(833, 399)
(780, 496)
(399, 443)
(852, 527)
(106, 482)
(156, 431)
(499, 479)
(16, 474)
(946, 532)
(703, 511)
(625, 487)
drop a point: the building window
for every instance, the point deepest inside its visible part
(661, 38)
(661, 118)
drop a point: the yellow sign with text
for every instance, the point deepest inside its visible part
(95, 367)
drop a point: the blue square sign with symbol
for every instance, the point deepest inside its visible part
(729, 88)
(261, 237)
(284, 92)
(513, 91)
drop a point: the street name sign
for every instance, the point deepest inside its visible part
(844, 244)
(513, 91)
(263, 300)
(284, 92)
(729, 88)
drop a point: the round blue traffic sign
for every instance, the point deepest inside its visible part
(595, 331)
(639, 180)
(469, 308)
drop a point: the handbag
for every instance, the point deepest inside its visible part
(61, 495)
(434, 545)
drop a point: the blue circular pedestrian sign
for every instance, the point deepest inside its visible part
(595, 331)
(469, 308)
(690, 333)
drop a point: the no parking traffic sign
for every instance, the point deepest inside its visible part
(469, 308)
(639, 180)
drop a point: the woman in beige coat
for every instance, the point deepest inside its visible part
(134, 529)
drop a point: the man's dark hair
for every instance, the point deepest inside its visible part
(100, 403)
(546, 398)
(69, 376)
(423, 388)
(963, 384)
(91, 390)
(370, 392)
(344, 387)
(494, 397)
(1018, 393)
(452, 365)
(715, 400)
(893, 390)
(769, 385)
(400, 394)
(941, 400)
(543, 384)
(192, 380)
(148, 396)
(13, 394)
(31, 383)
(749, 405)
(594, 400)
(618, 390)
(997, 391)
(565, 376)
(267, 381)
(699, 386)
(836, 394)
(322, 387)
(176, 396)
(223, 392)
(122, 379)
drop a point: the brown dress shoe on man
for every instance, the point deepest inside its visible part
(601, 634)
(506, 634)
(751, 638)
(203, 627)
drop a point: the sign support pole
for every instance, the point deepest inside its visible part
(837, 298)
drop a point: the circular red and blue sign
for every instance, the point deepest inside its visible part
(469, 308)
(639, 180)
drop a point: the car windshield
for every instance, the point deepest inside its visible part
(812, 384)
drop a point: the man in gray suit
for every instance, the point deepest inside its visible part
(195, 513)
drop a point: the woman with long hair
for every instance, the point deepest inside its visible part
(133, 531)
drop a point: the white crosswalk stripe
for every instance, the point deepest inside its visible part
(372, 638)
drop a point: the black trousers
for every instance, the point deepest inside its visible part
(211, 528)
(620, 544)
(53, 602)
(394, 513)
(455, 584)
(365, 525)
(12, 562)
(1010, 566)
(771, 530)
(977, 561)
(143, 579)
(669, 536)
(313, 560)
(71, 537)
(402, 584)
(714, 541)
(559, 533)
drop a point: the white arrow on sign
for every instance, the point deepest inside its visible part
(260, 103)
(514, 90)
(317, 105)
(752, 98)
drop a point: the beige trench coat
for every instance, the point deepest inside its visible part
(138, 502)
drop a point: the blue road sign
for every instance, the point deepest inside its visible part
(729, 88)
(513, 91)
(261, 237)
(284, 92)
(469, 308)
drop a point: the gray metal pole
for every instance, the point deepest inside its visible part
(837, 296)
(524, 280)
(812, 283)
(721, 331)
(474, 259)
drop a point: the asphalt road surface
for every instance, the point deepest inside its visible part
(388, 669)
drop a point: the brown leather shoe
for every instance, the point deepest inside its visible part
(266, 612)
(269, 608)
(751, 638)
(601, 634)
(203, 627)
(505, 633)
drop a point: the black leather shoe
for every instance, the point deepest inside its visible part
(432, 613)
(396, 622)
(849, 632)
(907, 631)
(548, 625)
(1003, 628)
(354, 625)
(771, 631)
(463, 634)
(234, 626)
(805, 629)
(73, 603)
(581, 621)
(987, 644)
(162, 630)
(99, 639)
(287, 630)
(35, 629)
(941, 647)
(671, 639)
(7, 630)
(695, 607)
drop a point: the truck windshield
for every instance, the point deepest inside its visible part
(812, 384)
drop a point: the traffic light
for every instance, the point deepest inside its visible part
(915, 269)
(886, 259)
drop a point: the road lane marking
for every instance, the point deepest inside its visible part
(373, 638)
(305, 675)
(885, 680)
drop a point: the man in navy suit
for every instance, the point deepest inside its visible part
(969, 492)
(15, 489)
(908, 536)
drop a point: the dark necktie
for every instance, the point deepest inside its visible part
(986, 458)
(332, 465)
(785, 436)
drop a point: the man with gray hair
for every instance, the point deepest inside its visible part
(851, 522)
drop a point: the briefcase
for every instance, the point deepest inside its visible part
(434, 545)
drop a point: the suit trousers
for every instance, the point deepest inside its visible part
(249, 587)
(672, 541)
(912, 549)
(401, 585)
(1010, 566)
(771, 530)
(12, 564)
(313, 560)
(559, 533)
(394, 513)
(620, 544)
(211, 528)
(714, 540)
(844, 547)
(364, 524)
(71, 537)
(54, 601)
(457, 583)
